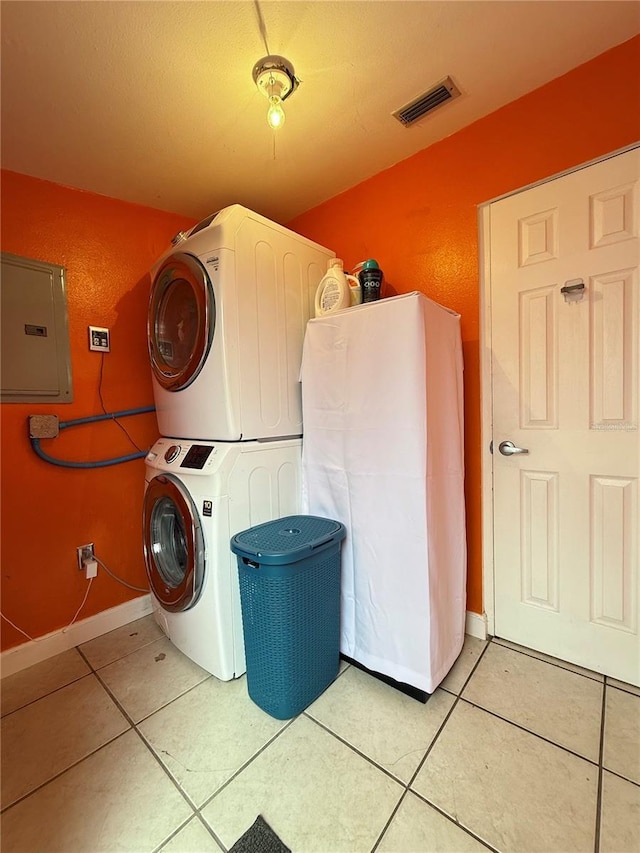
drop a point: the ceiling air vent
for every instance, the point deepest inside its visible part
(439, 94)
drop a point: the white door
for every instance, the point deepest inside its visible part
(565, 383)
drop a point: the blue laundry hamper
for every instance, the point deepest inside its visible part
(289, 573)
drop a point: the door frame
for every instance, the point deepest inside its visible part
(486, 390)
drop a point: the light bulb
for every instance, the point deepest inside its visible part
(275, 113)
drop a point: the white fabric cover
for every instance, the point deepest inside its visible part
(382, 452)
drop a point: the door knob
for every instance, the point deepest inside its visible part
(508, 448)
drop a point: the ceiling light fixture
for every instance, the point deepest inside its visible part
(275, 78)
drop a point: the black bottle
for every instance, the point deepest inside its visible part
(370, 277)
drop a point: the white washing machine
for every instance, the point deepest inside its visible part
(197, 496)
(227, 315)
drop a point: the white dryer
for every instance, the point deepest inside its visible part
(197, 496)
(228, 310)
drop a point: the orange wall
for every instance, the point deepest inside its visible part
(107, 247)
(420, 218)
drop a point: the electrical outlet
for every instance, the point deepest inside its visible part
(85, 552)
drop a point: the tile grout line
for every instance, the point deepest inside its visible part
(134, 727)
(405, 785)
(620, 776)
(287, 724)
(165, 770)
(46, 695)
(195, 816)
(454, 822)
(195, 810)
(249, 761)
(394, 812)
(428, 751)
(120, 657)
(175, 699)
(155, 711)
(522, 728)
(447, 716)
(460, 698)
(113, 698)
(91, 673)
(560, 664)
(198, 809)
(621, 689)
(86, 660)
(354, 748)
(203, 821)
(596, 842)
(62, 772)
(173, 834)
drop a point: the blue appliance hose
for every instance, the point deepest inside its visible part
(104, 463)
(125, 413)
(35, 443)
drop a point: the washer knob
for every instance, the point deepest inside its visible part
(172, 452)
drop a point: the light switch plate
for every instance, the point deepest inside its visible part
(99, 339)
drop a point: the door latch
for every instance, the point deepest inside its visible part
(573, 290)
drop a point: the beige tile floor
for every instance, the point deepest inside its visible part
(124, 744)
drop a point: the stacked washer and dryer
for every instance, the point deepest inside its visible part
(229, 305)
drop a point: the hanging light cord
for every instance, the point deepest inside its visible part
(261, 24)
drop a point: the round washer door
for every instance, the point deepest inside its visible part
(173, 544)
(181, 321)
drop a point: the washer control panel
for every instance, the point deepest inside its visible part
(196, 456)
(181, 454)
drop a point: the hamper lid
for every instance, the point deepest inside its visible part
(287, 539)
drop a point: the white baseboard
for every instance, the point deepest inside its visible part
(20, 657)
(476, 625)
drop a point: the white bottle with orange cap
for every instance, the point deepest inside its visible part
(335, 289)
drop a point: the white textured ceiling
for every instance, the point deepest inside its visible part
(153, 102)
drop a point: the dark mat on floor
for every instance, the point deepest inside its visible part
(259, 838)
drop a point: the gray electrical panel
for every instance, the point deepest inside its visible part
(35, 362)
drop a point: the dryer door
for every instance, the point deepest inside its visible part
(173, 544)
(181, 321)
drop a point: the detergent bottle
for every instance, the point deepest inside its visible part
(335, 289)
(370, 276)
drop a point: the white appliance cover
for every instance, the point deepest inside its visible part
(382, 398)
